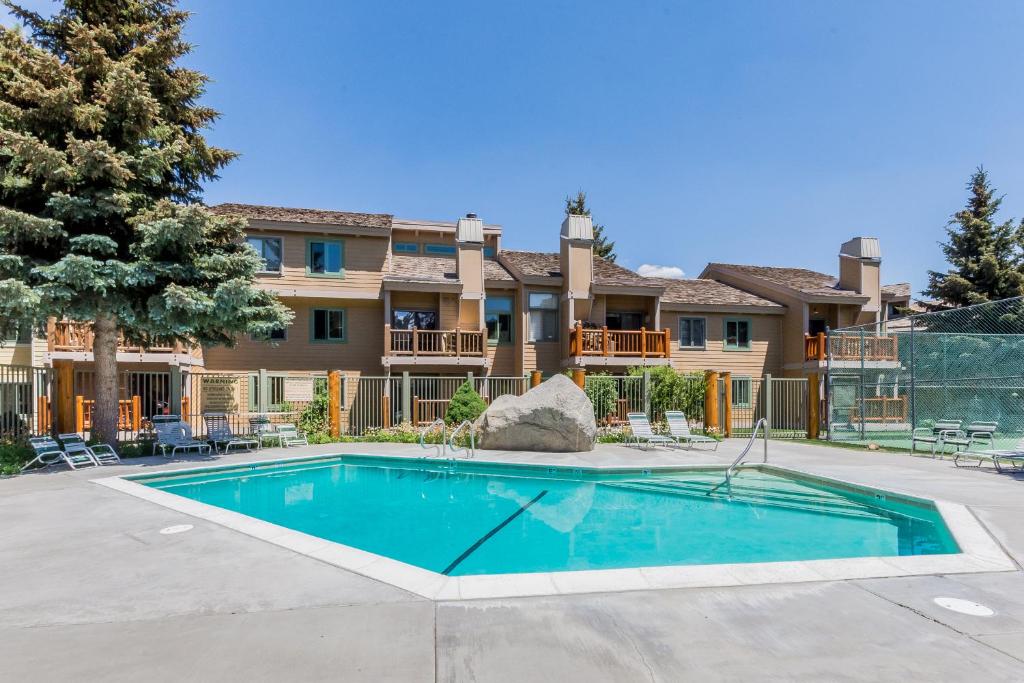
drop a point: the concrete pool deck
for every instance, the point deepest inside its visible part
(93, 591)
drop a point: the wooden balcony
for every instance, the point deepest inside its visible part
(619, 343)
(435, 346)
(848, 348)
(66, 336)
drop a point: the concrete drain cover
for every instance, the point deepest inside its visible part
(176, 529)
(974, 609)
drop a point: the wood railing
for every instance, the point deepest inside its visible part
(416, 342)
(129, 413)
(67, 335)
(848, 347)
(604, 342)
(882, 409)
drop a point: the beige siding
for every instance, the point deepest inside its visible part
(364, 263)
(763, 357)
(543, 356)
(16, 354)
(361, 352)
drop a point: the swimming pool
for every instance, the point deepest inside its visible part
(476, 519)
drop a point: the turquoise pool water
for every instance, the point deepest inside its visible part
(489, 519)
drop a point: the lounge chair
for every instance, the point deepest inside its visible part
(679, 429)
(973, 433)
(934, 436)
(643, 434)
(263, 430)
(291, 436)
(102, 453)
(218, 432)
(1014, 455)
(177, 436)
(48, 452)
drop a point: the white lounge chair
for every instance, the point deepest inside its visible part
(643, 435)
(102, 453)
(1014, 455)
(291, 436)
(934, 436)
(263, 430)
(679, 429)
(48, 452)
(177, 436)
(218, 432)
(974, 432)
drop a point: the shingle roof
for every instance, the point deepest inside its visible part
(896, 291)
(381, 221)
(710, 293)
(800, 279)
(437, 269)
(548, 264)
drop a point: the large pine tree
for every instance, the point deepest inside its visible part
(102, 160)
(578, 206)
(986, 257)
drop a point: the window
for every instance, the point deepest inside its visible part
(439, 249)
(543, 316)
(269, 249)
(325, 258)
(616, 320)
(691, 333)
(737, 334)
(328, 325)
(406, 320)
(488, 252)
(498, 313)
(406, 247)
(741, 387)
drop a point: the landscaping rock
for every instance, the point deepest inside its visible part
(556, 416)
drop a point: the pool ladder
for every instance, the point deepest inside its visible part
(761, 425)
(444, 440)
(471, 449)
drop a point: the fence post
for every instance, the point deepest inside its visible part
(580, 377)
(64, 377)
(647, 394)
(136, 413)
(814, 405)
(710, 400)
(174, 403)
(535, 377)
(334, 402)
(766, 388)
(727, 404)
(263, 400)
(79, 414)
(407, 415)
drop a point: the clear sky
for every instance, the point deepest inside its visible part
(750, 132)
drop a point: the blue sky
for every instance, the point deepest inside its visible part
(751, 132)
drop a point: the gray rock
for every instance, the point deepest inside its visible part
(556, 416)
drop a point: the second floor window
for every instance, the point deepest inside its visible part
(498, 312)
(328, 325)
(269, 249)
(325, 258)
(691, 333)
(619, 320)
(543, 316)
(439, 249)
(403, 319)
(737, 334)
(406, 248)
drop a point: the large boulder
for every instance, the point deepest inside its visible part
(556, 416)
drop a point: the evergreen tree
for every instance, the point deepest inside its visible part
(578, 206)
(986, 257)
(102, 160)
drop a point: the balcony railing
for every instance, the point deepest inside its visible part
(851, 347)
(604, 342)
(67, 335)
(439, 343)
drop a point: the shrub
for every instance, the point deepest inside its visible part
(671, 390)
(13, 456)
(314, 419)
(603, 393)
(466, 404)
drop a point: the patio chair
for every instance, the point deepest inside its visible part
(679, 429)
(48, 452)
(974, 432)
(643, 434)
(218, 432)
(934, 436)
(102, 453)
(1013, 455)
(291, 436)
(177, 436)
(263, 430)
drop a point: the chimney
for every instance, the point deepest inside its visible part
(469, 268)
(577, 264)
(860, 261)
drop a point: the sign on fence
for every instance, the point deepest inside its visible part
(219, 394)
(298, 389)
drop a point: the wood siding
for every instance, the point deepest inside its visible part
(763, 357)
(365, 260)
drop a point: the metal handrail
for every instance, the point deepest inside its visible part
(441, 446)
(472, 440)
(762, 425)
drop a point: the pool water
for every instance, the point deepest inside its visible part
(489, 519)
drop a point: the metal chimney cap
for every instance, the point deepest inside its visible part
(469, 229)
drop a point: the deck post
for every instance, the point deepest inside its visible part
(407, 415)
(604, 340)
(535, 378)
(643, 342)
(814, 405)
(710, 400)
(580, 377)
(334, 402)
(668, 343)
(727, 404)
(821, 346)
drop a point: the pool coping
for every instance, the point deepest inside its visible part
(979, 551)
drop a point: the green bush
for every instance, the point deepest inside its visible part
(604, 394)
(466, 404)
(315, 418)
(13, 456)
(671, 390)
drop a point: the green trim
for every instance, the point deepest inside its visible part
(341, 244)
(440, 249)
(402, 247)
(344, 326)
(679, 332)
(750, 391)
(725, 334)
